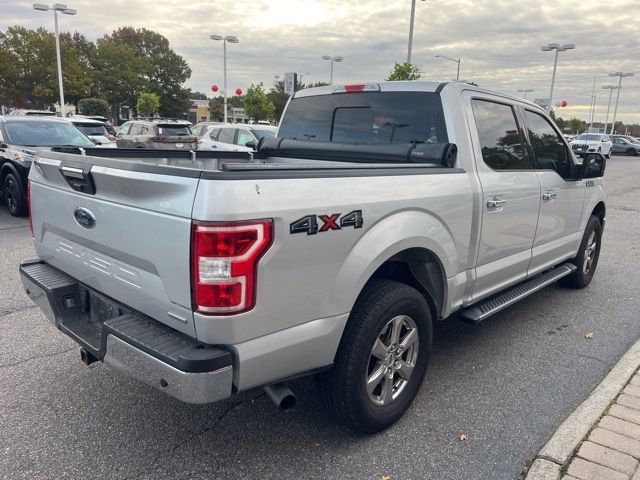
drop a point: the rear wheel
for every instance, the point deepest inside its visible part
(14, 196)
(631, 151)
(381, 359)
(587, 259)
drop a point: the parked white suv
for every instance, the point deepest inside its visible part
(231, 137)
(593, 142)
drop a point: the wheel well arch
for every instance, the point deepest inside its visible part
(421, 269)
(600, 211)
(6, 169)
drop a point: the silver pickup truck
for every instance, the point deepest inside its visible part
(378, 210)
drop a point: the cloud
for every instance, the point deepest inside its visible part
(498, 41)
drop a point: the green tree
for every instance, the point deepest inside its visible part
(197, 95)
(27, 68)
(257, 105)
(576, 125)
(278, 98)
(93, 106)
(148, 104)
(116, 71)
(163, 71)
(404, 71)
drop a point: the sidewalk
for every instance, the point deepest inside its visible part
(601, 439)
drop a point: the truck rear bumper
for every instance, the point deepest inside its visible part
(129, 341)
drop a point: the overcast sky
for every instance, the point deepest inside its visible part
(498, 40)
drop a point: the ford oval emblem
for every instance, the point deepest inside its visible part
(84, 217)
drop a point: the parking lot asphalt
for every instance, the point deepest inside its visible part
(506, 383)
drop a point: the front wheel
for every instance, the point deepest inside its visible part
(14, 196)
(631, 151)
(587, 259)
(381, 359)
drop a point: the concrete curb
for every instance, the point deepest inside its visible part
(561, 445)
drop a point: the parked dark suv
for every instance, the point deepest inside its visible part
(156, 133)
(20, 137)
(625, 145)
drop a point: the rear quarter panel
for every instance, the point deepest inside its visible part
(305, 277)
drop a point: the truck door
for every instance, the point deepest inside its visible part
(510, 196)
(562, 199)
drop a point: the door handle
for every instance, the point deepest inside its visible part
(547, 196)
(496, 202)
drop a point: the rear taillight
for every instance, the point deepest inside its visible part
(224, 264)
(29, 207)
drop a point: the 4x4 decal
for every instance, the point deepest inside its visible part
(309, 223)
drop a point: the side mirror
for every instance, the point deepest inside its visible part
(593, 165)
(251, 144)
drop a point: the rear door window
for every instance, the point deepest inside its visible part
(136, 129)
(227, 135)
(366, 117)
(174, 130)
(500, 137)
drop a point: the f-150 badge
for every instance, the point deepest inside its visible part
(309, 223)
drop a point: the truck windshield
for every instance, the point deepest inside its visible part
(367, 117)
(44, 133)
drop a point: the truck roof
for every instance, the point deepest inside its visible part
(411, 86)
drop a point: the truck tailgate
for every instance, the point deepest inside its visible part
(129, 239)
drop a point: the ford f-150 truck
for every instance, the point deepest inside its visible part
(378, 210)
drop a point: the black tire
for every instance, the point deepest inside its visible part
(631, 151)
(14, 196)
(582, 276)
(343, 389)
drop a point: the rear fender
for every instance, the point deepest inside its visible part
(390, 236)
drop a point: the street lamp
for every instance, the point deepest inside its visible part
(453, 60)
(558, 48)
(525, 91)
(411, 21)
(592, 103)
(57, 7)
(615, 110)
(332, 59)
(611, 88)
(230, 39)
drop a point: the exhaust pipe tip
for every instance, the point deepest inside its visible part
(281, 396)
(86, 357)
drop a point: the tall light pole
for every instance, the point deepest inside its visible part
(558, 48)
(230, 39)
(611, 88)
(411, 22)
(525, 91)
(57, 7)
(592, 103)
(453, 60)
(332, 59)
(615, 110)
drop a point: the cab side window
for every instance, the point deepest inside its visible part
(549, 151)
(500, 138)
(244, 136)
(214, 134)
(136, 129)
(227, 135)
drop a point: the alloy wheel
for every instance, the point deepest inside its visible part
(392, 360)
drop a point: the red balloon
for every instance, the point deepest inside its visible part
(214, 88)
(238, 91)
(565, 103)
